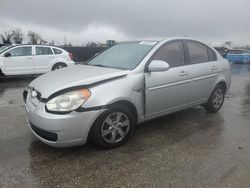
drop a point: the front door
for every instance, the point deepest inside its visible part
(19, 61)
(168, 90)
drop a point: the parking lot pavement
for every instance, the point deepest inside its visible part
(187, 149)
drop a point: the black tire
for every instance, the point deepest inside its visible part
(216, 99)
(1, 73)
(58, 66)
(100, 127)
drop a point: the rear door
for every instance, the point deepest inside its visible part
(44, 56)
(169, 90)
(20, 61)
(203, 70)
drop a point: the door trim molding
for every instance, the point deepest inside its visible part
(168, 85)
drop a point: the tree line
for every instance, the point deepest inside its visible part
(16, 36)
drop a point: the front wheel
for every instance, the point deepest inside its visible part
(1, 73)
(113, 127)
(216, 99)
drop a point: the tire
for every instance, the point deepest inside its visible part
(107, 132)
(216, 99)
(1, 74)
(58, 66)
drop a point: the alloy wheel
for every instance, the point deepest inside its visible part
(218, 98)
(115, 127)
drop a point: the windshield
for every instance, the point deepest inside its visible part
(124, 56)
(3, 48)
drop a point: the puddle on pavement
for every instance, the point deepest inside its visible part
(239, 68)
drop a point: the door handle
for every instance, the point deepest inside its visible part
(28, 57)
(183, 73)
(214, 68)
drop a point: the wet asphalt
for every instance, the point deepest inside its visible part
(186, 149)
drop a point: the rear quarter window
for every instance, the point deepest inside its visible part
(57, 51)
(211, 54)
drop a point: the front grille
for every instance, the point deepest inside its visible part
(44, 134)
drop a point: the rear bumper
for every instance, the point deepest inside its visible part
(71, 63)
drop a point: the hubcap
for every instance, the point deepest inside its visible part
(218, 98)
(115, 127)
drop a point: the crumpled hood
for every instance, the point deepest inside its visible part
(78, 75)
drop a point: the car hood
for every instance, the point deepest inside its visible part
(78, 75)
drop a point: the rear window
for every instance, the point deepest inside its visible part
(211, 55)
(197, 52)
(57, 51)
(43, 51)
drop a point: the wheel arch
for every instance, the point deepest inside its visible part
(126, 103)
(223, 84)
(56, 63)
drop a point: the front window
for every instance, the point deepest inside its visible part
(124, 56)
(172, 53)
(3, 48)
(21, 51)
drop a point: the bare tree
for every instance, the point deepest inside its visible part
(43, 41)
(34, 37)
(6, 38)
(52, 43)
(17, 36)
(91, 44)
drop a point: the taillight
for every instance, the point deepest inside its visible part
(71, 56)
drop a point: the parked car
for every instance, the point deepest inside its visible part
(238, 56)
(127, 84)
(32, 59)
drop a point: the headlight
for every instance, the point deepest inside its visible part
(68, 101)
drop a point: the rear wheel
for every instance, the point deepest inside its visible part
(113, 128)
(216, 99)
(58, 66)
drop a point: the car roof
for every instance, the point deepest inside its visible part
(164, 40)
(14, 45)
(10, 46)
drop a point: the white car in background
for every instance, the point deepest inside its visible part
(32, 59)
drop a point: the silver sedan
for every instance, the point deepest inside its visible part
(127, 84)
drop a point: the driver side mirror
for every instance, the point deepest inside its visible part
(7, 54)
(158, 66)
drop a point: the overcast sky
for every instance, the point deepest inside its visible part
(98, 20)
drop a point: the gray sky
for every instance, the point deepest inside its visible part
(98, 20)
